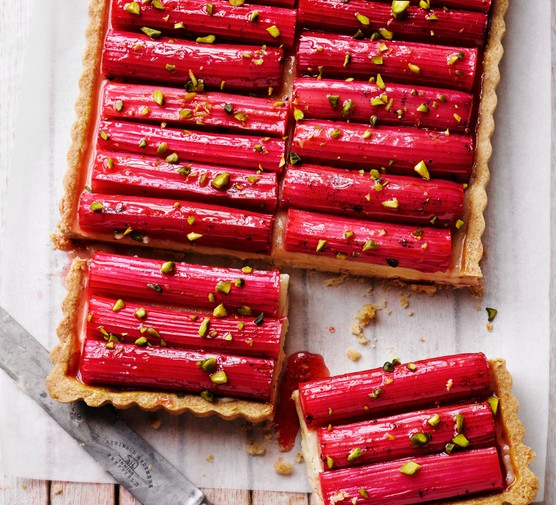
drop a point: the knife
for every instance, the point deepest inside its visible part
(134, 463)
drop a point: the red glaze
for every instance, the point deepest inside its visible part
(188, 285)
(147, 218)
(232, 150)
(131, 366)
(350, 193)
(395, 245)
(451, 27)
(227, 22)
(312, 98)
(131, 174)
(439, 477)
(180, 328)
(260, 115)
(388, 438)
(398, 150)
(433, 382)
(300, 367)
(329, 52)
(137, 56)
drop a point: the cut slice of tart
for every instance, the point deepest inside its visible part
(438, 429)
(163, 334)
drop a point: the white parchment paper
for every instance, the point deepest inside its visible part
(210, 451)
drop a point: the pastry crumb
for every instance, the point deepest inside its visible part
(478, 308)
(410, 313)
(255, 449)
(352, 354)
(421, 339)
(283, 467)
(423, 288)
(299, 458)
(57, 490)
(210, 458)
(366, 314)
(336, 281)
(490, 327)
(156, 423)
(388, 312)
(449, 384)
(341, 496)
(404, 303)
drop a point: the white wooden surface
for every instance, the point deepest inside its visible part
(15, 491)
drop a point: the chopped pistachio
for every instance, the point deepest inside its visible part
(373, 120)
(210, 8)
(141, 341)
(367, 134)
(414, 68)
(220, 311)
(167, 267)
(449, 448)
(279, 104)
(347, 108)
(179, 26)
(491, 314)
(155, 287)
(192, 236)
(294, 158)
(434, 420)
(422, 169)
(329, 462)
(391, 204)
(298, 114)
(493, 401)
(110, 162)
(97, 206)
(370, 244)
(245, 311)
(247, 269)
(399, 8)
(133, 8)
(140, 313)
(220, 377)
(274, 31)
(151, 32)
(425, 4)
(259, 320)
(377, 60)
(336, 133)
(355, 454)
(410, 468)
(110, 345)
(376, 393)
(387, 34)
(162, 148)
(157, 4)
(364, 20)
(119, 305)
(208, 365)
(172, 158)
(211, 297)
(223, 287)
(459, 422)
(240, 325)
(152, 332)
(209, 39)
(460, 440)
(144, 110)
(204, 326)
(358, 35)
(143, 143)
(380, 82)
(363, 492)
(254, 17)
(419, 439)
(459, 224)
(241, 116)
(457, 117)
(158, 97)
(104, 135)
(207, 396)
(423, 108)
(411, 367)
(347, 59)
(221, 181)
(239, 283)
(333, 100)
(321, 245)
(119, 106)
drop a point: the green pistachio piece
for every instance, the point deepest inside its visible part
(354, 454)
(367, 134)
(410, 468)
(387, 34)
(162, 148)
(239, 283)
(220, 311)
(155, 287)
(370, 244)
(414, 68)
(411, 367)
(294, 158)
(97, 206)
(434, 421)
(457, 117)
(423, 108)
(192, 236)
(347, 59)
(223, 287)
(491, 314)
(119, 305)
(204, 326)
(104, 135)
(241, 116)
(329, 462)
(207, 395)
(210, 8)
(333, 100)
(274, 31)
(422, 169)
(143, 143)
(219, 377)
(209, 39)
(364, 20)
(460, 440)
(140, 313)
(260, 319)
(221, 181)
(321, 245)
(419, 439)
(377, 60)
(133, 8)
(399, 8)
(151, 32)
(391, 204)
(179, 26)
(208, 365)
(167, 267)
(172, 158)
(254, 17)
(363, 492)
(380, 82)
(460, 224)
(141, 341)
(377, 393)
(119, 106)
(247, 269)
(459, 423)
(347, 108)
(245, 311)
(298, 114)
(493, 401)
(157, 4)
(158, 97)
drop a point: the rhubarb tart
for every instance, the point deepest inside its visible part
(343, 136)
(164, 334)
(438, 429)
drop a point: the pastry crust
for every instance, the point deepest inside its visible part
(467, 247)
(521, 492)
(65, 387)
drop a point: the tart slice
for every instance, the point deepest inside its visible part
(439, 429)
(163, 334)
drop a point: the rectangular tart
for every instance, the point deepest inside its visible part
(361, 148)
(164, 334)
(438, 429)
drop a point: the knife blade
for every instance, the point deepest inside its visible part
(133, 462)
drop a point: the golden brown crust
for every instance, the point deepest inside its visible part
(64, 387)
(84, 125)
(521, 492)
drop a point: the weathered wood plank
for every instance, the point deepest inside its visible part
(278, 498)
(17, 491)
(78, 493)
(228, 496)
(126, 498)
